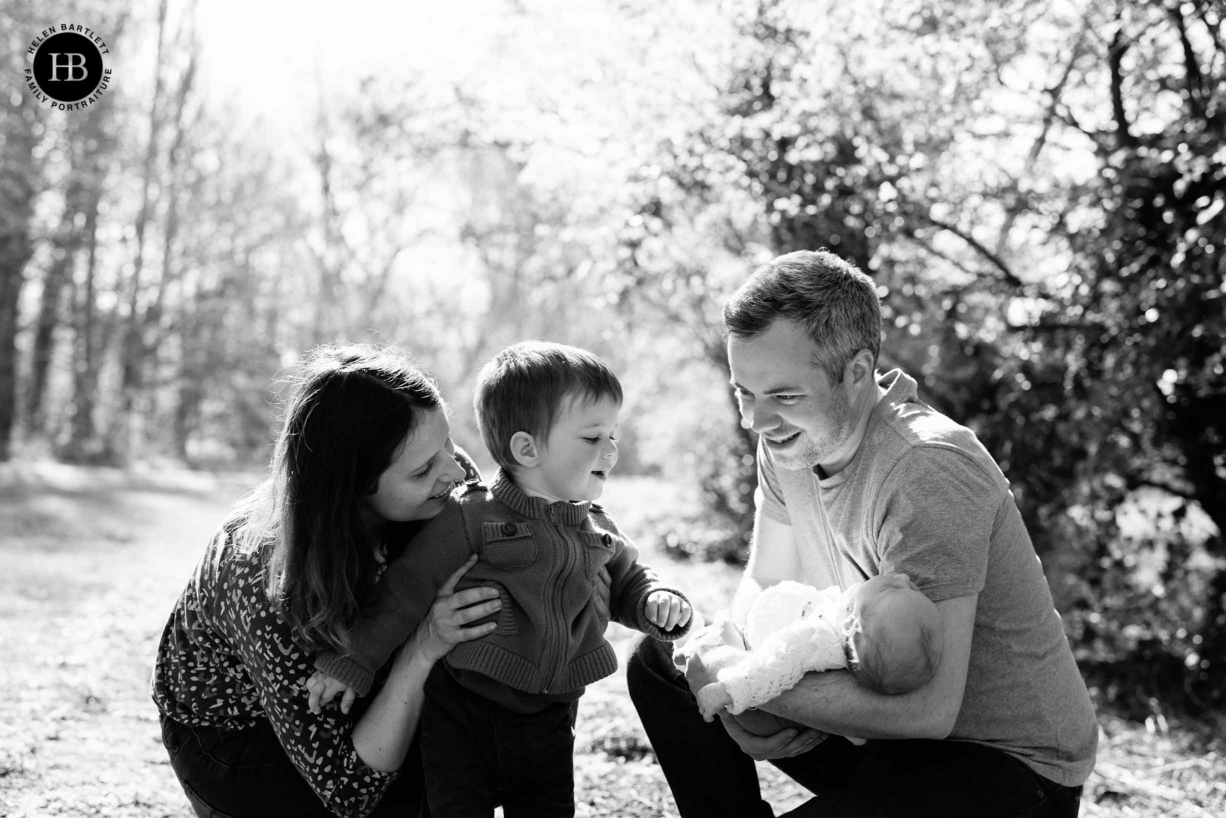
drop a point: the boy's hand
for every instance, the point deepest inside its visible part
(323, 689)
(666, 610)
(712, 699)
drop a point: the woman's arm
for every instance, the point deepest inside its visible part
(383, 734)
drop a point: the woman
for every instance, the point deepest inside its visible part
(365, 454)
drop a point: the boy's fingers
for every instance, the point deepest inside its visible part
(347, 700)
(313, 702)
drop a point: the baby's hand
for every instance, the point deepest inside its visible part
(712, 699)
(323, 689)
(666, 610)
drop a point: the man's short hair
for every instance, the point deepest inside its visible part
(525, 385)
(835, 303)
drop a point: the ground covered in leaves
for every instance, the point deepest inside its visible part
(93, 559)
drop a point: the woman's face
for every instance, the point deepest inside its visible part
(416, 483)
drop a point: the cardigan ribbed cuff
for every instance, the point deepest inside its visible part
(345, 670)
(651, 629)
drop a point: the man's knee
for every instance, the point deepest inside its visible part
(649, 666)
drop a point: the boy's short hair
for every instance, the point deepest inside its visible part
(525, 385)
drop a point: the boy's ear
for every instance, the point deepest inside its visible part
(524, 449)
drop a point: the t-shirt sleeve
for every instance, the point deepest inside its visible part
(768, 497)
(934, 519)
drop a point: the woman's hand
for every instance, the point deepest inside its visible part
(444, 627)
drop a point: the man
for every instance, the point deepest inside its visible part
(857, 477)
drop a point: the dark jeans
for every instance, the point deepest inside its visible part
(710, 776)
(246, 774)
(478, 754)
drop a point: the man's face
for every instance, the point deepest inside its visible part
(786, 399)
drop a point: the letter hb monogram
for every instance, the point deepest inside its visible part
(71, 65)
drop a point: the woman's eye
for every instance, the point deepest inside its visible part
(592, 439)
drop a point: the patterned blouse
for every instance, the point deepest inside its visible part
(227, 660)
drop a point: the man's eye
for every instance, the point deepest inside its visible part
(787, 400)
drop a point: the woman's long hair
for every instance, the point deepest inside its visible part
(349, 411)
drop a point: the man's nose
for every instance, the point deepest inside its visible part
(753, 418)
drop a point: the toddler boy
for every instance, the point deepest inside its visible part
(497, 725)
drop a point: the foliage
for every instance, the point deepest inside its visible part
(1036, 187)
(1097, 370)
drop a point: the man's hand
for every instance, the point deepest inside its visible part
(666, 610)
(322, 689)
(712, 700)
(786, 743)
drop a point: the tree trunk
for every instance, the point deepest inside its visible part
(18, 188)
(132, 348)
(82, 428)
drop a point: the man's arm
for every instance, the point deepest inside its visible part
(836, 703)
(772, 559)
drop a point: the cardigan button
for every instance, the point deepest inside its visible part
(508, 529)
(606, 539)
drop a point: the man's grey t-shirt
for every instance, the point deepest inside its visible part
(923, 497)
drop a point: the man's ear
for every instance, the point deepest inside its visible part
(525, 449)
(860, 372)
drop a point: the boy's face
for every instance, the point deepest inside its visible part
(579, 451)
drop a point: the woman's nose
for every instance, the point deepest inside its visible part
(454, 471)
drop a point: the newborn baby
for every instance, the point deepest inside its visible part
(883, 630)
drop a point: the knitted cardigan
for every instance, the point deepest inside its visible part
(543, 559)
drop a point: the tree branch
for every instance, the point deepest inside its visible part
(1115, 59)
(1193, 78)
(996, 261)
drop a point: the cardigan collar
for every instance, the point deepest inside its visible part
(511, 496)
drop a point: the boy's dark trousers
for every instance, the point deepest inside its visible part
(710, 776)
(477, 754)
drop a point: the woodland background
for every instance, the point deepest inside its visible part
(1037, 186)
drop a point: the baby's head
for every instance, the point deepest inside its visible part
(894, 634)
(547, 413)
